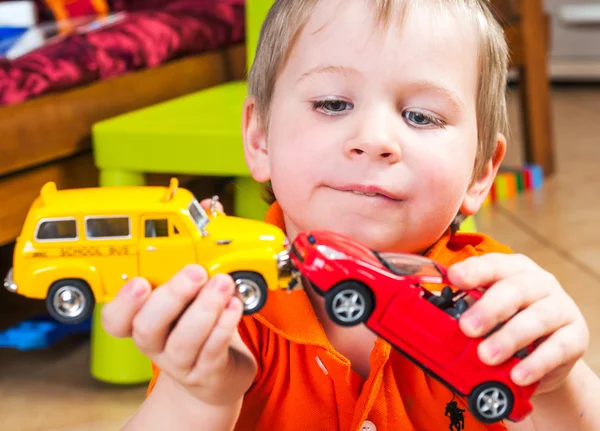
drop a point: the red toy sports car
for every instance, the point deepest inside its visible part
(388, 292)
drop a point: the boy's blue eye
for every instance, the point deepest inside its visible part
(418, 118)
(422, 120)
(332, 106)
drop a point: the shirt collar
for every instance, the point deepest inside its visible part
(290, 314)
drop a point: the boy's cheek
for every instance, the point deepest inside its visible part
(300, 149)
(452, 165)
(439, 173)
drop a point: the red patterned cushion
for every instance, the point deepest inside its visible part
(140, 40)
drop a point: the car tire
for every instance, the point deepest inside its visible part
(349, 303)
(70, 301)
(491, 402)
(251, 288)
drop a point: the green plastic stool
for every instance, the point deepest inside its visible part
(181, 136)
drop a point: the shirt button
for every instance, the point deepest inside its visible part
(368, 426)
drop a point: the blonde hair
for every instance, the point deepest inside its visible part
(287, 18)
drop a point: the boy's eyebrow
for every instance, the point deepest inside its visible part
(423, 86)
(343, 70)
(446, 93)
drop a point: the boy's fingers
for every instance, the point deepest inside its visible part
(483, 271)
(154, 321)
(205, 203)
(216, 346)
(563, 347)
(531, 324)
(194, 327)
(118, 315)
(501, 301)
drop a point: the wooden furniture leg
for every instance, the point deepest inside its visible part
(535, 88)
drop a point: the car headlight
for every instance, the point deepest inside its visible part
(284, 263)
(330, 253)
(9, 283)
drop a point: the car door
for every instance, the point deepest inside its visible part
(432, 332)
(166, 246)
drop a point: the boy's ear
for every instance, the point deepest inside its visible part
(255, 142)
(480, 187)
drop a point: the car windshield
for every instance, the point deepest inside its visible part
(406, 264)
(198, 215)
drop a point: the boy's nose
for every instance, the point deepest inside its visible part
(376, 148)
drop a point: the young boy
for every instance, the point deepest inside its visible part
(381, 120)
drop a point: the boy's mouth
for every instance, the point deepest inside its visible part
(365, 194)
(369, 191)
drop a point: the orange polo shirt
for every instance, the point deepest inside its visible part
(303, 384)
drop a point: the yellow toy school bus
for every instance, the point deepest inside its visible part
(79, 246)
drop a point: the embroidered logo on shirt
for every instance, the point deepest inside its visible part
(455, 414)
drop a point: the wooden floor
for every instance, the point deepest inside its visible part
(557, 227)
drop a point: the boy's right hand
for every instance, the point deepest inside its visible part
(188, 328)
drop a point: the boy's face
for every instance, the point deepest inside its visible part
(373, 133)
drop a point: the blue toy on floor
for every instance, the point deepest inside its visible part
(39, 333)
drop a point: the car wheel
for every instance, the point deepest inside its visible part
(251, 289)
(70, 301)
(491, 402)
(349, 303)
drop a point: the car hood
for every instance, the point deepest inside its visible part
(224, 227)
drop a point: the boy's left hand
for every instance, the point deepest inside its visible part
(534, 305)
